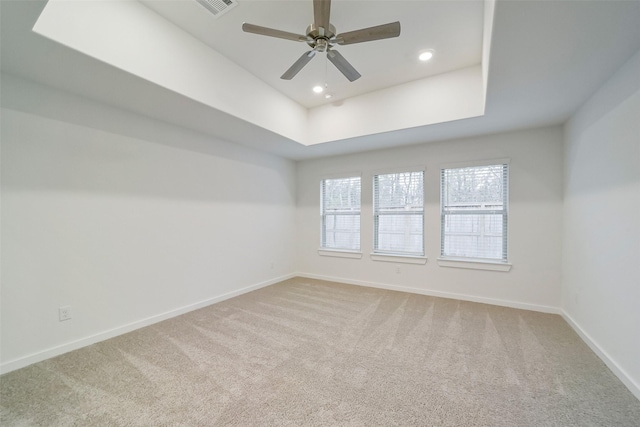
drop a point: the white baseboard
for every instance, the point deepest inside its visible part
(21, 362)
(432, 293)
(622, 375)
(83, 342)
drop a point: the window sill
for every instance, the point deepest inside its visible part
(475, 265)
(404, 259)
(340, 253)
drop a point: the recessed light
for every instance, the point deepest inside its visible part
(328, 95)
(318, 89)
(426, 55)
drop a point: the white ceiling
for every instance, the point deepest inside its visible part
(452, 28)
(547, 58)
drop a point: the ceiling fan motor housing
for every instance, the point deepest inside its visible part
(320, 39)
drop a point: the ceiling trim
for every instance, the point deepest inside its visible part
(150, 47)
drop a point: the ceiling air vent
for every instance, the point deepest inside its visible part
(218, 7)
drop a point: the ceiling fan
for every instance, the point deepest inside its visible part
(321, 37)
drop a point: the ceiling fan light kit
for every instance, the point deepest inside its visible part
(321, 37)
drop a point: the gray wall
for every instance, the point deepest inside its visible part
(601, 267)
(535, 220)
(126, 220)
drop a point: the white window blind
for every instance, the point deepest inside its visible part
(474, 202)
(398, 210)
(340, 211)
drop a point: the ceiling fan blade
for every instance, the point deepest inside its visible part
(264, 31)
(298, 65)
(321, 12)
(379, 32)
(343, 65)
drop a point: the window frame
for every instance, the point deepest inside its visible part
(494, 264)
(377, 214)
(397, 256)
(337, 251)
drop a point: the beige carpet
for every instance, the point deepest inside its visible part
(307, 352)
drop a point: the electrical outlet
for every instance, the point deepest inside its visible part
(64, 313)
(397, 269)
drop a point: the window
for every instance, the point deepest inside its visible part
(398, 213)
(474, 202)
(340, 211)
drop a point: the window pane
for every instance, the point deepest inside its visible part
(400, 233)
(473, 236)
(341, 194)
(342, 231)
(400, 191)
(473, 187)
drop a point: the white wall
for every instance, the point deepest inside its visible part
(534, 229)
(601, 263)
(125, 219)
